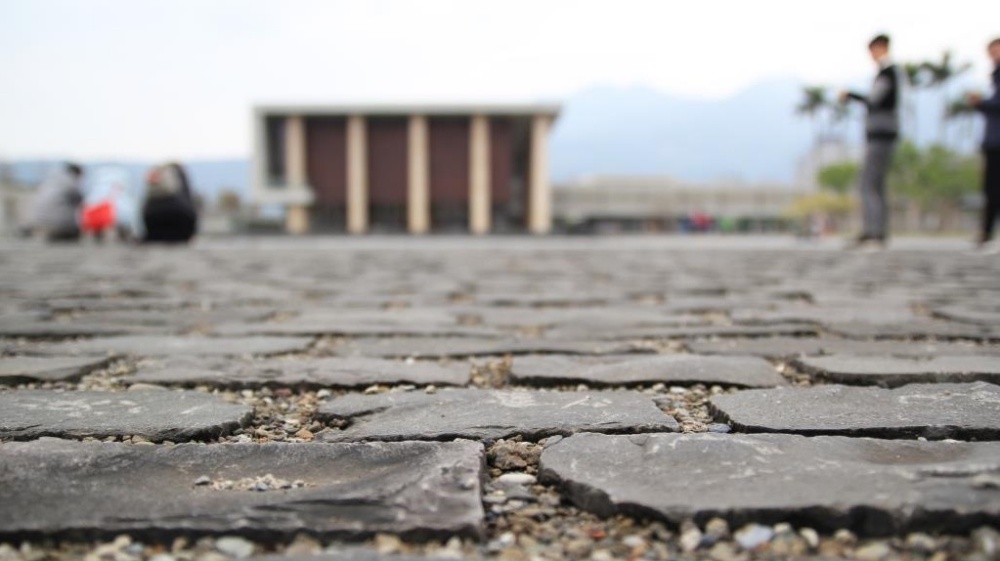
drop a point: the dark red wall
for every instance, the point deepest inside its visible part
(501, 159)
(449, 155)
(387, 160)
(326, 159)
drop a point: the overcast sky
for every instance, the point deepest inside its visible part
(177, 79)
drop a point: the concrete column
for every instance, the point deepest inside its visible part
(297, 216)
(539, 190)
(418, 188)
(479, 175)
(357, 175)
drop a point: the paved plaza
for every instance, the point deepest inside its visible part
(499, 398)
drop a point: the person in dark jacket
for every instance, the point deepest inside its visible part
(990, 108)
(881, 132)
(169, 214)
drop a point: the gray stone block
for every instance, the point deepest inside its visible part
(175, 416)
(419, 490)
(301, 372)
(142, 345)
(892, 371)
(933, 411)
(25, 369)
(491, 414)
(874, 487)
(669, 369)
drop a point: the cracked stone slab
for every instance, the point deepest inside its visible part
(873, 487)
(892, 371)
(669, 369)
(683, 332)
(918, 329)
(420, 490)
(445, 347)
(934, 411)
(791, 347)
(491, 414)
(157, 416)
(140, 345)
(319, 372)
(353, 329)
(26, 369)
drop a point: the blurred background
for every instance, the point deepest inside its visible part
(662, 117)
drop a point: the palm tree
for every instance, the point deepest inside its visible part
(939, 76)
(814, 102)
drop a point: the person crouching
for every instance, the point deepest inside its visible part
(169, 212)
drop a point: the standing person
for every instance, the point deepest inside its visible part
(881, 132)
(169, 213)
(56, 207)
(990, 107)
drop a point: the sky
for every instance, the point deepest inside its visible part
(128, 79)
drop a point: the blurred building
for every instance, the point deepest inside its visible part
(417, 169)
(663, 204)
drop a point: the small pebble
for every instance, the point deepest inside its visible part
(235, 546)
(690, 537)
(752, 536)
(875, 551)
(517, 478)
(811, 537)
(203, 480)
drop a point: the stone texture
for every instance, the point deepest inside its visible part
(597, 332)
(445, 347)
(491, 414)
(933, 411)
(300, 372)
(873, 487)
(668, 369)
(791, 347)
(421, 490)
(140, 345)
(891, 372)
(155, 415)
(23, 369)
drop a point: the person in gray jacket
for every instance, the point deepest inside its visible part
(56, 206)
(881, 133)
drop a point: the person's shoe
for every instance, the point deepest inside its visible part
(983, 246)
(857, 243)
(868, 244)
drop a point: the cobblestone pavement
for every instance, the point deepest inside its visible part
(501, 398)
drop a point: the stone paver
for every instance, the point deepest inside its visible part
(668, 369)
(442, 347)
(891, 371)
(929, 410)
(140, 345)
(24, 369)
(423, 490)
(791, 347)
(319, 372)
(492, 414)
(874, 487)
(318, 341)
(176, 416)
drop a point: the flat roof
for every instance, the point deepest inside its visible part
(509, 109)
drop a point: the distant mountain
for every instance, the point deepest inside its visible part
(754, 136)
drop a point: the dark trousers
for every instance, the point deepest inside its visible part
(874, 206)
(991, 191)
